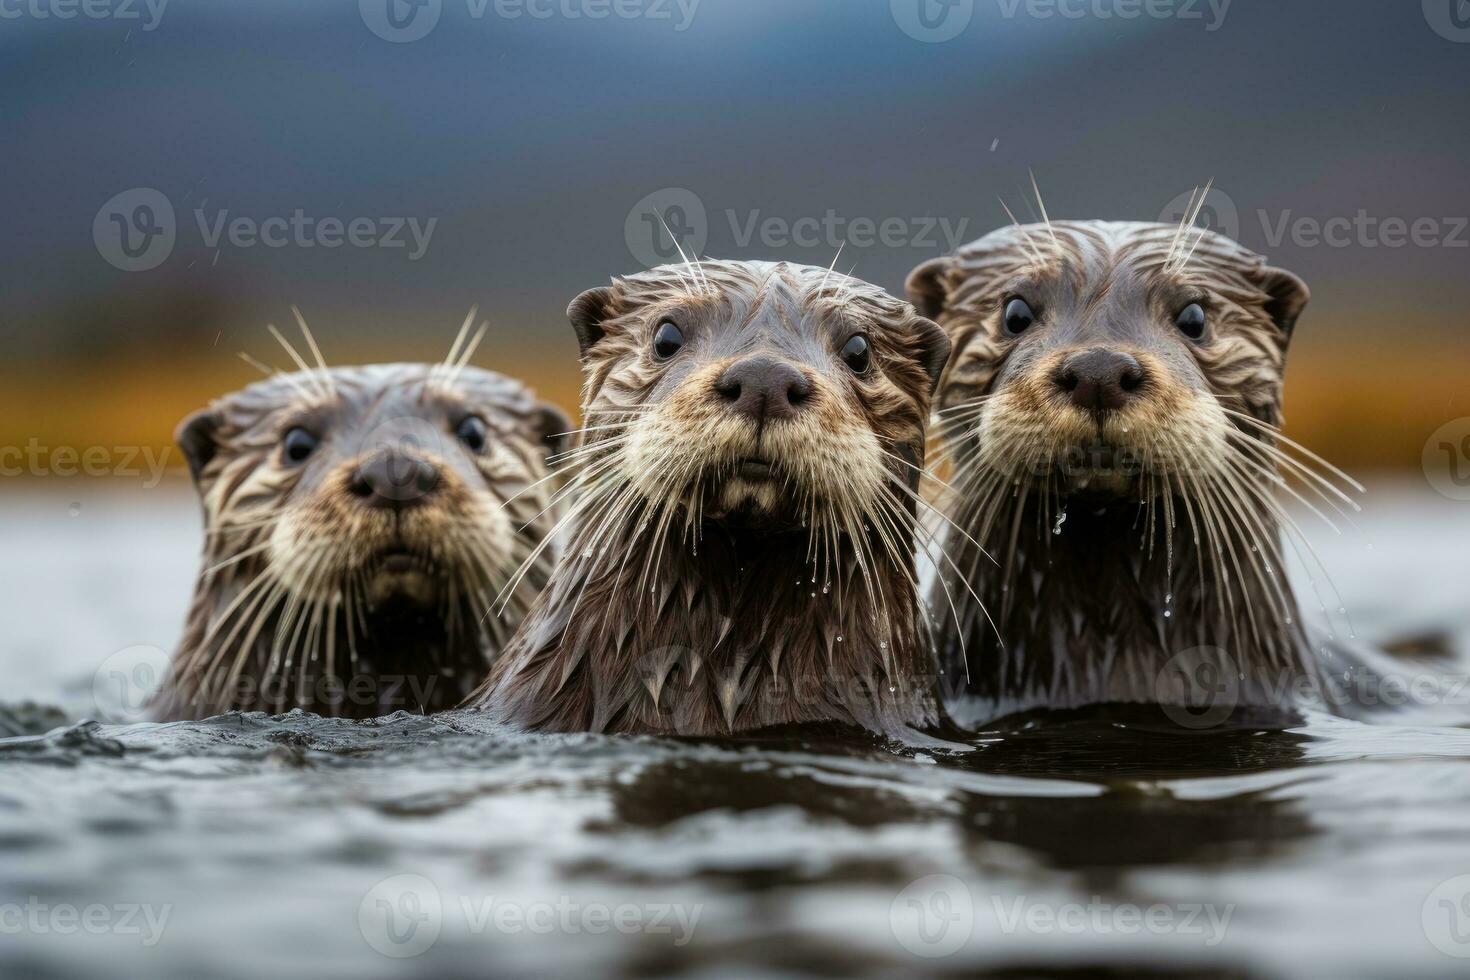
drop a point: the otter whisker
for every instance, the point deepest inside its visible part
(572, 513)
(245, 601)
(1298, 466)
(452, 376)
(1186, 220)
(322, 391)
(1044, 216)
(328, 384)
(266, 369)
(237, 558)
(1031, 248)
(438, 370)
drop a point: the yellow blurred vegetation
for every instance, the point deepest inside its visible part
(1357, 404)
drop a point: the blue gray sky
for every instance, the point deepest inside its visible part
(520, 144)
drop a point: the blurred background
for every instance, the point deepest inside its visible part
(178, 174)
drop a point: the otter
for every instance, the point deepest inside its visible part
(1111, 417)
(740, 553)
(358, 523)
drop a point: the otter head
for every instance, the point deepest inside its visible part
(756, 393)
(339, 501)
(750, 426)
(1112, 358)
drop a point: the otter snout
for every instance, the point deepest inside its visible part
(764, 389)
(394, 479)
(1100, 380)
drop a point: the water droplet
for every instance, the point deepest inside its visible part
(826, 588)
(882, 644)
(1061, 519)
(1168, 613)
(587, 553)
(814, 595)
(891, 689)
(839, 637)
(1168, 598)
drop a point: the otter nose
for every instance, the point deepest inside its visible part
(764, 388)
(1100, 380)
(394, 479)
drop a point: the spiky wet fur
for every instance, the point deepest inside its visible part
(689, 602)
(291, 609)
(1151, 584)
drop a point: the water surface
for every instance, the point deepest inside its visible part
(447, 847)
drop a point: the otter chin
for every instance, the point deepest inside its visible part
(740, 551)
(359, 523)
(1111, 416)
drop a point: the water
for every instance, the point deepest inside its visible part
(266, 846)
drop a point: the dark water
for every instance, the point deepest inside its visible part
(248, 846)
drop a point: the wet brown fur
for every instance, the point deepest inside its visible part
(1111, 585)
(690, 602)
(293, 608)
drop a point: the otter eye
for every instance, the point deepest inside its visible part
(298, 445)
(668, 340)
(471, 432)
(1191, 321)
(1018, 316)
(856, 354)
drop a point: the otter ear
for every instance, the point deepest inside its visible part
(196, 437)
(587, 313)
(1286, 297)
(553, 426)
(926, 287)
(931, 345)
